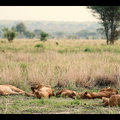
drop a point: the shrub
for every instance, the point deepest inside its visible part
(2, 41)
(87, 50)
(57, 43)
(43, 36)
(10, 35)
(40, 45)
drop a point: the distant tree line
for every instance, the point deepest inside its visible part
(67, 30)
(21, 31)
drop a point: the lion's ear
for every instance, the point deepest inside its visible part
(85, 92)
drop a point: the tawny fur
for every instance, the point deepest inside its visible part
(44, 92)
(41, 91)
(114, 100)
(90, 95)
(68, 93)
(109, 89)
(10, 90)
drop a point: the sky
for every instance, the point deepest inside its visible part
(47, 13)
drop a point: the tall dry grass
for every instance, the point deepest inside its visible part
(81, 69)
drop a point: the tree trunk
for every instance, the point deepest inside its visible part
(106, 33)
(107, 42)
(112, 36)
(21, 35)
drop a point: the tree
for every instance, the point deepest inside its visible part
(93, 34)
(43, 36)
(29, 34)
(10, 35)
(82, 33)
(37, 32)
(0, 33)
(110, 17)
(59, 34)
(101, 32)
(72, 37)
(21, 28)
(32, 34)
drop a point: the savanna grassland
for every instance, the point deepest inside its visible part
(80, 65)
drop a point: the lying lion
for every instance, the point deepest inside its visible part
(68, 93)
(109, 89)
(45, 92)
(41, 91)
(37, 87)
(90, 95)
(114, 100)
(10, 90)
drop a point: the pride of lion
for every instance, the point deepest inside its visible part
(109, 95)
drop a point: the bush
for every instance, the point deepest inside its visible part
(2, 41)
(57, 43)
(40, 45)
(9, 34)
(43, 36)
(87, 50)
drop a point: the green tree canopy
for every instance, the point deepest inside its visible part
(110, 19)
(37, 32)
(43, 36)
(21, 28)
(29, 34)
(10, 35)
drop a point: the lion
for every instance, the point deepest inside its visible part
(41, 91)
(44, 93)
(33, 88)
(68, 93)
(114, 100)
(10, 90)
(38, 86)
(90, 95)
(109, 89)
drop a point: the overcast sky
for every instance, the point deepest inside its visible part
(47, 13)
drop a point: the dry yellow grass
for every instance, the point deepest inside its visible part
(23, 64)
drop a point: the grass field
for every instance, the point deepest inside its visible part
(78, 65)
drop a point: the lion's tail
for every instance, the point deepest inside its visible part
(99, 104)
